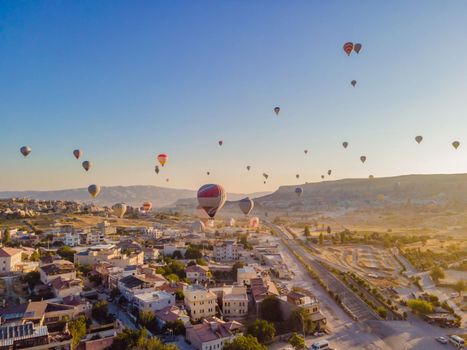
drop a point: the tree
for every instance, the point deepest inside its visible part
(77, 330)
(420, 306)
(244, 343)
(459, 287)
(306, 231)
(201, 262)
(300, 321)
(172, 277)
(263, 330)
(66, 253)
(235, 267)
(177, 255)
(177, 327)
(437, 273)
(146, 317)
(128, 339)
(342, 236)
(328, 230)
(382, 312)
(32, 278)
(269, 309)
(297, 341)
(100, 311)
(193, 252)
(321, 238)
(6, 240)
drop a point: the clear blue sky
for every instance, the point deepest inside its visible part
(125, 80)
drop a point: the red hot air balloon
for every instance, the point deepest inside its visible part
(220, 142)
(162, 158)
(348, 47)
(211, 198)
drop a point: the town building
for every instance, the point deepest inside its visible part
(10, 258)
(246, 274)
(213, 333)
(233, 300)
(58, 269)
(154, 300)
(199, 301)
(226, 251)
(197, 273)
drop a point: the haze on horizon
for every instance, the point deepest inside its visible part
(125, 81)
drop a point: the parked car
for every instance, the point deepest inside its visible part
(441, 340)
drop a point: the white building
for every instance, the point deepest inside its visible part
(226, 251)
(10, 258)
(155, 300)
(245, 275)
(213, 333)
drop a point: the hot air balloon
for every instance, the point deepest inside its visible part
(254, 222)
(264, 182)
(322, 176)
(329, 172)
(87, 165)
(345, 144)
(298, 191)
(265, 176)
(25, 150)
(363, 159)
(167, 180)
(198, 227)
(297, 176)
(357, 47)
(305, 151)
(94, 190)
(208, 173)
(119, 209)
(248, 167)
(277, 110)
(156, 169)
(162, 158)
(211, 198)
(418, 139)
(456, 144)
(353, 82)
(77, 153)
(348, 47)
(246, 205)
(147, 206)
(220, 142)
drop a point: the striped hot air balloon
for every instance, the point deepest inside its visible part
(162, 158)
(348, 47)
(211, 198)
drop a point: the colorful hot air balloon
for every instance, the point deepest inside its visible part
(254, 222)
(220, 142)
(162, 158)
(297, 176)
(418, 139)
(348, 47)
(329, 172)
(277, 110)
(363, 159)
(246, 205)
(345, 144)
(156, 169)
(147, 206)
(211, 198)
(353, 82)
(298, 191)
(357, 47)
(456, 144)
(248, 167)
(77, 153)
(87, 165)
(94, 190)
(25, 150)
(119, 209)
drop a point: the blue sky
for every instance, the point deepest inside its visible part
(125, 80)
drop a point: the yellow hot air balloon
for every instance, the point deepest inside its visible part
(94, 190)
(456, 144)
(119, 209)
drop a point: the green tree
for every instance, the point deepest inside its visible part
(6, 239)
(328, 230)
(177, 327)
(177, 254)
(300, 321)
(342, 236)
(244, 343)
(129, 339)
(100, 311)
(269, 309)
(382, 312)
(146, 317)
(235, 267)
(437, 273)
(297, 341)
(172, 277)
(193, 252)
(77, 330)
(420, 306)
(459, 286)
(35, 256)
(66, 253)
(31, 278)
(306, 231)
(321, 238)
(263, 330)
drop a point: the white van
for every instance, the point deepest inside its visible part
(457, 341)
(321, 345)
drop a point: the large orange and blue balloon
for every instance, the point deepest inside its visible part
(211, 198)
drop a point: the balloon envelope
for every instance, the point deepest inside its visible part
(363, 159)
(353, 82)
(357, 47)
(418, 138)
(25, 150)
(348, 47)
(221, 142)
(246, 205)
(211, 198)
(329, 172)
(248, 167)
(87, 165)
(162, 158)
(277, 110)
(298, 191)
(456, 144)
(119, 209)
(156, 169)
(94, 190)
(345, 144)
(77, 153)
